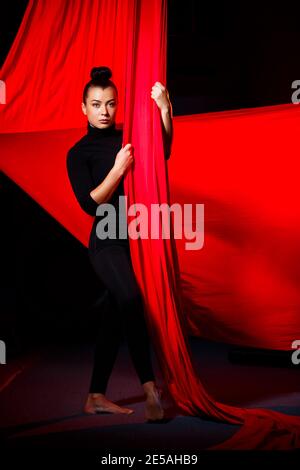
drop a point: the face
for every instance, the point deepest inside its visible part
(101, 104)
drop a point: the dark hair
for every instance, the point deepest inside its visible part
(100, 76)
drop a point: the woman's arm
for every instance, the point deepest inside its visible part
(104, 191)
(81, 180)
(161, 96)
(166, 116)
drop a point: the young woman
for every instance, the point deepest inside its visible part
(96, 166)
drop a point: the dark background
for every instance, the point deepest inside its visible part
(220, 56)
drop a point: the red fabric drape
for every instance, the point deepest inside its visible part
(155, 261)
(49, 62)
(242, 287)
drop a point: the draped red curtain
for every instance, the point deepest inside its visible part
(242, 287)
(75, 32)
(49, 62)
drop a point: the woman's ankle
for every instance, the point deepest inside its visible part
(149, 387)
(96, 395)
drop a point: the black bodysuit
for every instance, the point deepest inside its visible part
(88, 163)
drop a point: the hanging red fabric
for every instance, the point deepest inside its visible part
(70, 38)
(155, 260)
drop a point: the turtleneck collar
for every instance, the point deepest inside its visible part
(97, 132)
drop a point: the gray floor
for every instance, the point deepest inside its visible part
(42, 406)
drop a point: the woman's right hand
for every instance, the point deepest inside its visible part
(124, 158)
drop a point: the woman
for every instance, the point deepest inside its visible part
(96, 166)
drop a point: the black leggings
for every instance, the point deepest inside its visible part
(125, 313)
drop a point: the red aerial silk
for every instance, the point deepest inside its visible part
(45, 107)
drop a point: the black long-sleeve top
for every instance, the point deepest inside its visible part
(88, 163)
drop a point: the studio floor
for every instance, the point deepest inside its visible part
(41, 403)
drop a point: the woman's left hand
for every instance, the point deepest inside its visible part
(161, 96)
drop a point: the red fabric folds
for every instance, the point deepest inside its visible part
(242, 287)
(50, 60)
(155, 260)
(70, 37)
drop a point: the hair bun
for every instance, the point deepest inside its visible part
(101, 73)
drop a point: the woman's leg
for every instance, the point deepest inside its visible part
(113, 266)
(107, 346)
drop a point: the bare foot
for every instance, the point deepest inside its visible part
(153, 407)
(98, 403)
